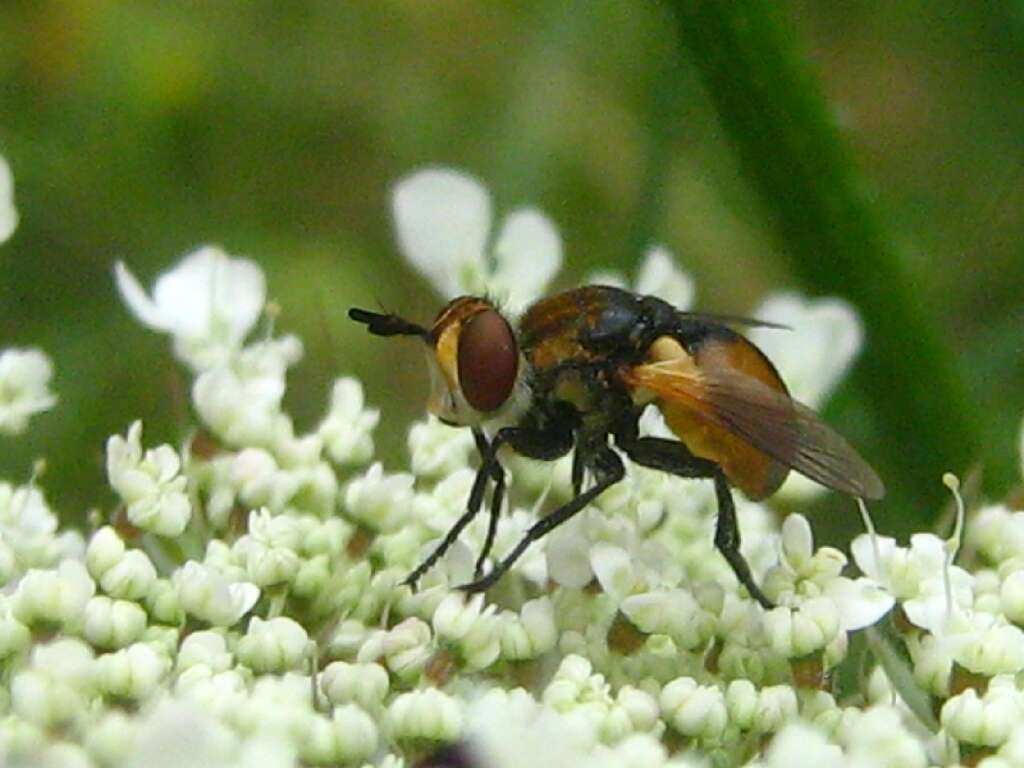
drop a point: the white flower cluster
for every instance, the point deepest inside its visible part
(241, 604)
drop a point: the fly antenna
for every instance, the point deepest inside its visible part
(387, 324)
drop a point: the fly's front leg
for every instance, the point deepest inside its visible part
(577, 472)
(674, 457)
(476, 498)
(608, 470)
(533, 443)
(497, 496)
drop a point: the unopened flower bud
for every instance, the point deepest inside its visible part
(112, 624)
(163, 604)
(694, 710)
(204, 592)
(274, 645)
(986, 721)
(105, 550)
(54, 596)
(426, 714)
(798, 632)
(363, 684)
(134, 672)
(207, 647)
(131, 578)
(741, 702)
(407, 647)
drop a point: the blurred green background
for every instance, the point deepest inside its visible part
(139, 130)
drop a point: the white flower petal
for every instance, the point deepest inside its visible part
(797, 540)
(8, 213)
(443, 218)
(568, 555)
(861, 603)
(612, 566)
(143, 307)
(209, 285)
(660, 277)
(825, 337)
(1020, 448)
(606, 277)
(863, 550)
(528, 253)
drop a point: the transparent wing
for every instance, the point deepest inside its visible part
(786, 430)
(749, 322)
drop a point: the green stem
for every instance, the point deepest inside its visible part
(790, 148)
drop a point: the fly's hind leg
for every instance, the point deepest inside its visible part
(674, 457)
(727, 539)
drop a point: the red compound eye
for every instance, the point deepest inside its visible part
(488, 360)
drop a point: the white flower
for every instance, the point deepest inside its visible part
(1020, 447)
(532, 633)
(776, 706)
(347, 430)
(208, 302)
(204, 592)
(274, 645)
(983, 643)
(672, 612)
(349, 736)
(110, 623)
(825, 336)
(163, 604)
(799, 745)
(206, 647)
(24, 379)
(658, 276)
(879, 736)
(364, 684)
(268, 550)
(693, 709)
(424, 714)
(104, 551)
(984, 721)
(27, 526)
(437, 450)
(914, 575)
(179, 733)
(134, 672)
(741, 702)
(54, 596)
(8, 213)
(576, 690)
(57, 685)
(14, 636)
(405, 648)
(443, 221)
(151, 485)
(111, 737)
(808, 573)
(567, 553)
(240, 400)
(998, 532)
(382, 502)
(798, 632)
(509, 729)
(131, 578)
(466, 623)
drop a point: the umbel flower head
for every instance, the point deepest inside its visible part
(243, 604)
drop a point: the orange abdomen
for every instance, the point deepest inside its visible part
(751, 470)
